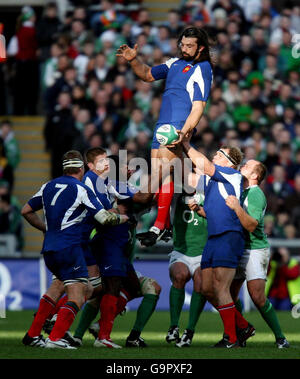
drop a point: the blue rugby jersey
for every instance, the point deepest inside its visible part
(107, 192)
(66, 203)
(220, 218)
(185, 82)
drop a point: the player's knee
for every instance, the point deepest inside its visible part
(89, 291)
(157, 288)
(206, 291)
(258, 298)
(179, 279)
(150, 287)
(78, 290)
(56, 290)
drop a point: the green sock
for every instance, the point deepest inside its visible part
(87, 316)
(269, 315)
(196, 307)
(239, 306)
(176, 299)
(145, 311)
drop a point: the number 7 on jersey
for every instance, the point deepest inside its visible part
(62, 188)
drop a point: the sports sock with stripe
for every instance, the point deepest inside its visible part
(239, 306)
(45, 308)
(59, 304)
(227, 313)
(65, 318)
(269, 315)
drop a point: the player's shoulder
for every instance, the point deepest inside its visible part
(89, 178)
(255, 193)
(82, 186)
(44, 185)
(204, 65)
(89, 174)
(171, 61)
(228, 170)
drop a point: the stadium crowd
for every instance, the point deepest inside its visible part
(91, 98)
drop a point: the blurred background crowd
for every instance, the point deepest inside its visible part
(65, 68)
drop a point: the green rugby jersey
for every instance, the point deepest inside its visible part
(189, 229)
(254, 203)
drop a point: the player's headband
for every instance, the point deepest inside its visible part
(228, 157)
(72, 162)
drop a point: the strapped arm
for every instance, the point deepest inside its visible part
(110, 218)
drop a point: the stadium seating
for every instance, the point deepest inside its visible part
(32, 172)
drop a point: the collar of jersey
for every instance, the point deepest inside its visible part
(253, 185)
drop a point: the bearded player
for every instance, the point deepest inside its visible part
(188, 83)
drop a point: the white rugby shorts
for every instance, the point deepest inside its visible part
(192, 263)
(253, 264)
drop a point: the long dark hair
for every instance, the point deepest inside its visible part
(202, 40)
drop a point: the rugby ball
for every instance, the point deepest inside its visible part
(166, 134)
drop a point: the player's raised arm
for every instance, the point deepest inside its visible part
(248, 222)
(203, 164)
(139, 68)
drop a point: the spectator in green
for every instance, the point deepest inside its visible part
(10, 215)
(11, 146)
(6, 170)
(135, 124)
(143, 96)
(243, 111)
(284, 99)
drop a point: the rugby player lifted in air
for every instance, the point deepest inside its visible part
(188, 82)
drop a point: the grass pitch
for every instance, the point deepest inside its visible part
(209, 331)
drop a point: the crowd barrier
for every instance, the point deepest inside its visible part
(24, 281)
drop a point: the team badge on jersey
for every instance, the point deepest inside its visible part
(187, 68)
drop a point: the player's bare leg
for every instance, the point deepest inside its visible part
(207, 288)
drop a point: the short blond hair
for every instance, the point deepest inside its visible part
(235, 155)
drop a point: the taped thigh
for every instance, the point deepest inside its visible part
(147, 286)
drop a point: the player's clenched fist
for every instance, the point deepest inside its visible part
(126, 52)
(232, 202)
